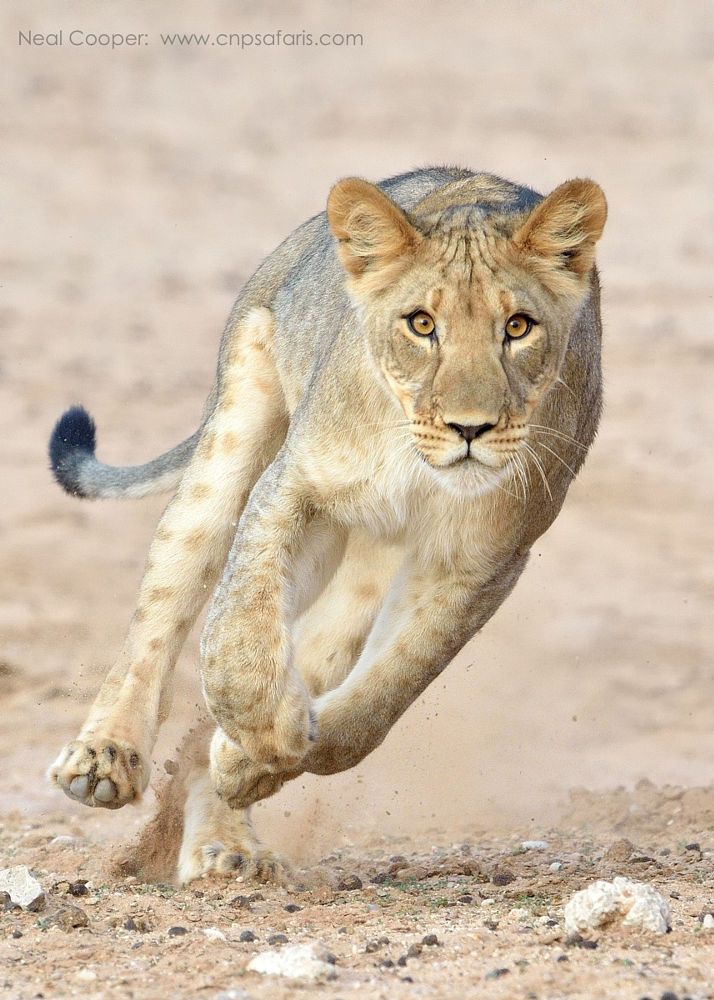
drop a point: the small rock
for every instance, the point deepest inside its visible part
(349, 883)
(136, 924)
(430, 940)
(68, 918)
(638, 904)
(278, 939)
(233, 995)
(303, 962)
(292, 908)
(708, 921)
(414, 950)
(86, 975)
(16, 933)
(63, 840)
(534, 845)
(247, 936)
(171, 767)
(22, 888)
(556, 866)
(78, 888)
(213, 934)
(501, 875)
(242, 902)
(465, 898)
(578, 941)
(619, 851)
(496, 973)
(177, 931)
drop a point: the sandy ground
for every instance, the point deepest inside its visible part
(142, 187)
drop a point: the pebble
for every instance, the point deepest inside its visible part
(86, 975)
(68, 918)
(177, 931)
(78, 888)
(708, 921)
(349, 883)
(496, 973)
(293, 908)
(247, 936)
(430, 940)
(242, 902)
(303, 962)
(556, 866)
(466, 898)
(278, 939)
(213, 934)
(637, 904)
(22, 888)
(502, 875)
(233, 995)
(64, 840)
(534, 845)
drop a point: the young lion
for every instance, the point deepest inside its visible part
(405, 390)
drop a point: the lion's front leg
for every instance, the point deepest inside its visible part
(108, 764)
(251, 685)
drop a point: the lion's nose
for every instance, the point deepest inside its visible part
(469, 432)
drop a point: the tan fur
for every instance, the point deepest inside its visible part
(363, 538)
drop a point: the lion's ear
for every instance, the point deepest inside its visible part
(562, 230)
(375, 236)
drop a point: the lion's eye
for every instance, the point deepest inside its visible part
(518, 326)
(421, 323)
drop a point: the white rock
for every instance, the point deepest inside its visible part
(64, 840)
(23, 889)
(556, 866)
(534, 845)
(708, 921)
(306, 962)
(213, 934)
(639, 905)
(233, 995)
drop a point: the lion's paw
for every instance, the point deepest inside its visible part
(237, 778)
(100, 772)
(250, 861)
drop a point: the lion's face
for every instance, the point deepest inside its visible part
(468, 326)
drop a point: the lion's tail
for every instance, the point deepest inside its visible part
(77, 470)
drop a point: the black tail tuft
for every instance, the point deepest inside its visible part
(73, 441)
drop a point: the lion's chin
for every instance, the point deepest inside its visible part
(466, 475)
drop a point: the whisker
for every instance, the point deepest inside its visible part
(559, 434)
(560, 381)
(560, 459)
(540, 469)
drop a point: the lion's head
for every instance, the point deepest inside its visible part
(467, 314)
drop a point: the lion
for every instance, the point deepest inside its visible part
(405, 390)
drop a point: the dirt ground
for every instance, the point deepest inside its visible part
(141, 187)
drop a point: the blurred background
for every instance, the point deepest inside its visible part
(142, 186)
